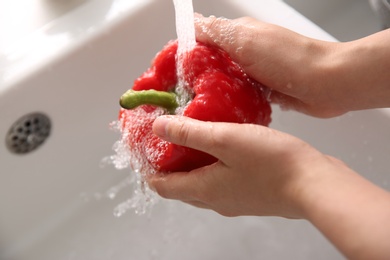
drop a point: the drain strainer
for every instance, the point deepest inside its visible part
(28, 133)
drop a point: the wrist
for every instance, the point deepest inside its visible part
(358, 72)
(340, 77)
(313, 184)
(349, 210)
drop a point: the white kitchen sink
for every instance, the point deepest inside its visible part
(54, 202)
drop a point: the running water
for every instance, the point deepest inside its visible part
(143, 198)
(185, 30)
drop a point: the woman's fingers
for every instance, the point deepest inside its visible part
(189, 187)
(199, 135)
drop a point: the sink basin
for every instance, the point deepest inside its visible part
(57, 202)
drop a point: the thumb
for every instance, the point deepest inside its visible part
(199, 135)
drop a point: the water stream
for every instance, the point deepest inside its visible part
(185, 30)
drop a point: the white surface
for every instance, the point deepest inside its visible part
(346, 20)
(20, 17)
(51, 200)
(30, 52)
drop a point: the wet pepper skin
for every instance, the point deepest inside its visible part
(221, 92)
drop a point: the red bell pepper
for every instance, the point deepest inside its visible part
(219, 91)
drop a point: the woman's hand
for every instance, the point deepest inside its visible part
(260, 171)
(318, 78)
(264, 172)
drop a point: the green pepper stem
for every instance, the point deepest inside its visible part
(132, 99)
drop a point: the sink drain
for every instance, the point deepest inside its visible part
(28, 133)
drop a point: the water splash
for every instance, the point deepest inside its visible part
(113, 192)
(143, 198)
(120, 159)
(132, 157)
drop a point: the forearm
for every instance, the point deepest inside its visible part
(334, 78)
(351, 212)
(361, 72)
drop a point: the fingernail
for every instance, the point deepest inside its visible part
(160, 126)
